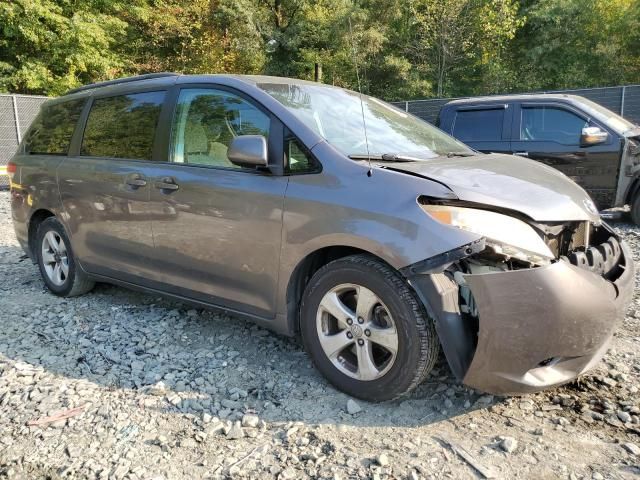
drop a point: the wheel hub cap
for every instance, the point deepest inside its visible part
(364, 349)
(356, 331)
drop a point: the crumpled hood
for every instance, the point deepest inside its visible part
(532, 188)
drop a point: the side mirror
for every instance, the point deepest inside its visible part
(248, 151)
(593, 136)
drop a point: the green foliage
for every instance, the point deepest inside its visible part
(570, 43)
(400, 49)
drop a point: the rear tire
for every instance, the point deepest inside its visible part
(57, 264)
(380, 344)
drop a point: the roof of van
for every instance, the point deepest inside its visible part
(171, 78)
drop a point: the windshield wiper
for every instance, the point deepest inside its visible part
(461, 154)
(387, 157)
(400, 157)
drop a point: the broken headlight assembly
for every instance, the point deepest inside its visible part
(506, 235)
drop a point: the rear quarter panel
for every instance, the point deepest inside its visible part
(34, 187)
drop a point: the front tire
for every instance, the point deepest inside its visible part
(635, 210)
(57, 264)
(365, 329)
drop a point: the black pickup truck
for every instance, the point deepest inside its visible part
(595, 147)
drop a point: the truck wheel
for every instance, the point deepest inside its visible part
(365, 329)
(635, 210)
(57, 264)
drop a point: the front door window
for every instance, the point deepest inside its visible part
(551, 124)
(207, 121)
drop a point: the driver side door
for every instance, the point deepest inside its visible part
(550, 133)
(217, 228)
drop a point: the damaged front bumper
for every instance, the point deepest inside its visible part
(535, 328)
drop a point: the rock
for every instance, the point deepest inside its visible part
(250, 420)
(74, 451)
(382, 459)
(632, 448)
(234, 432)
(526, 405)
(158, 389)
(596, 416)
(624, 416)
(597, 476)
(353, 407)
(230, 404)
(508, 444)
(187, 443)
(137, 366)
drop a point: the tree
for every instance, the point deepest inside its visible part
(48, 47)
(576, 43)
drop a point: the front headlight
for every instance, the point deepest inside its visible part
(506, 235)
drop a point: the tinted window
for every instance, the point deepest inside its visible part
(51, 131)
(123, 126)
(479, 125)
(298, 159)
(207, 120)
(552, 125)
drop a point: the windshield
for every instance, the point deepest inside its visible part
(336, 114)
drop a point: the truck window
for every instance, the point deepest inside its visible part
(479, 125)
(551, 124)
(51, 131)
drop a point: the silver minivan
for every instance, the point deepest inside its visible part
(319, 212)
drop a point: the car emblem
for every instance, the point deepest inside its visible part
(590, 206)
(356, 331)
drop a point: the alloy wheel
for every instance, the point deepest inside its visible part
(54, 258)
(356, 331)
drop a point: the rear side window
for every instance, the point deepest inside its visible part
(51, 131)
(479, 125)
(123, 126)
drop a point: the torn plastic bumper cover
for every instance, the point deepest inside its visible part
(537, 327)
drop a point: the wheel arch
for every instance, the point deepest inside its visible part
(306, 268)
(36, 218)
(632, 191)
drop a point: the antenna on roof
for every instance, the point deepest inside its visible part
(364, 122)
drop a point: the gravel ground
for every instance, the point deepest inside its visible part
(157, 390)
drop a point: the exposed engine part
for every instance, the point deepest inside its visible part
(565, 237)
(467, 303)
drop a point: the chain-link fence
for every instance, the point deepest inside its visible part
(624, 100)
(16, 114)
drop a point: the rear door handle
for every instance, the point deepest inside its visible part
(521, 154)
(167, 183)
(135, 180)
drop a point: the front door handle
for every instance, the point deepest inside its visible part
(135, 180)
(521, 154)
(167, 184)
